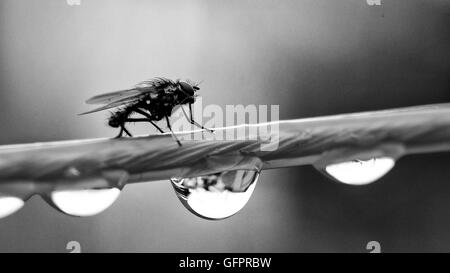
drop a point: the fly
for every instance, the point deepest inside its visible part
(153, 99)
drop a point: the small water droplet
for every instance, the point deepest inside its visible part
(9, 205)
(360, 172)
(84, 202)
(216, 196)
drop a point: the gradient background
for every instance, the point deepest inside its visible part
(311, 57)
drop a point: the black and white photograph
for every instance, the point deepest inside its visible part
(238, 127)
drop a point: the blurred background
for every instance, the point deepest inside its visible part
(311, 57)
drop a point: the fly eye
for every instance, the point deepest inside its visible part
(187, 88)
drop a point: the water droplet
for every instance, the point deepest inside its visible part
(9, 205)
(84, 202)
(82, 193)
(360, 172)
(216, 196)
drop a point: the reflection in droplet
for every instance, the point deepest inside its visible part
(9, 205)
(216, 196)
(85, 202)
(360, 172)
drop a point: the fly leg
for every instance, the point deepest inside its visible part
(120, 133)
(126, 131)
(173, 135)
(192, 121)
(156, 126)
(149, 119)
(144, 120)
(123, 129)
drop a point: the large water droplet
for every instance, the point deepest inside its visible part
(9, 205)
(84, 202)
(216, 196)
(360, 172)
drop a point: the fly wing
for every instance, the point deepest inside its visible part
(110, 97)
(114, 104)
(148, 86)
